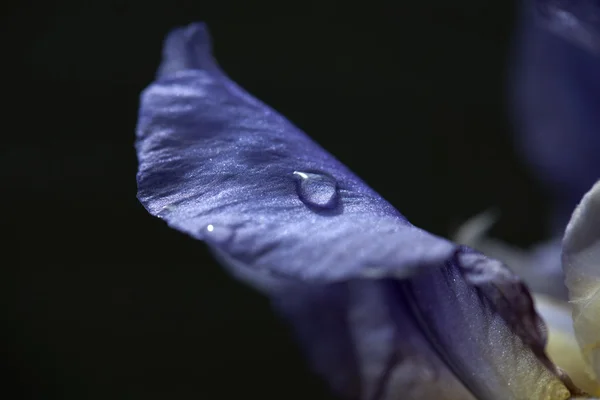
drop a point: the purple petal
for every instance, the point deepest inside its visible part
(363, 338)
(383, 308)
(465, 331)
(223, 167)
(479, 307)
(557, 96)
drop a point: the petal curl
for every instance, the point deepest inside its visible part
(581, 263)
(223, 167)
(372, 297)
(556, 90)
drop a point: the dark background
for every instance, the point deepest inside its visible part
(101, 300)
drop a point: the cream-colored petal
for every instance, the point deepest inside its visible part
(562, 347)
(581, 264)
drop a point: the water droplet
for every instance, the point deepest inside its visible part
(316, 190)
(217, 234)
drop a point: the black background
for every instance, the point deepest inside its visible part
(101, 300)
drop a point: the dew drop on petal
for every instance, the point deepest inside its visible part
(316, 190)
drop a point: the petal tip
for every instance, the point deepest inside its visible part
(187, 48)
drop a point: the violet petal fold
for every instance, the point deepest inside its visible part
(362, 337)
(557, 97)
(476, 306)
(383, 309)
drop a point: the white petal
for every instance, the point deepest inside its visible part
(581, 264)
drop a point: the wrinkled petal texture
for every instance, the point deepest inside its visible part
(581, 262)
(221, 166)
(557, 96)
(384, 310)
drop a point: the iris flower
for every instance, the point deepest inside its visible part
(384, 310)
